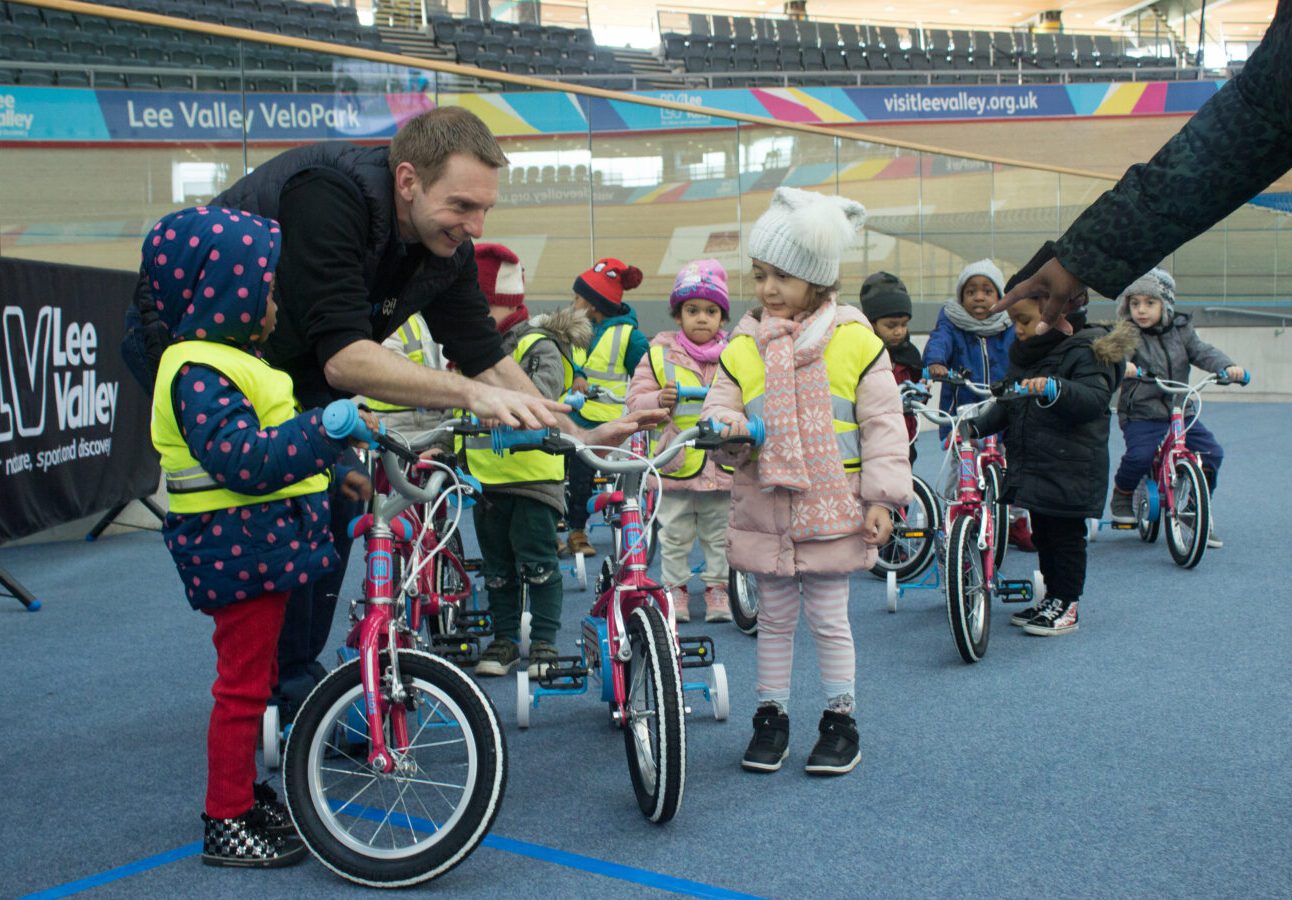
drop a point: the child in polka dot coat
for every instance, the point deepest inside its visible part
(246, 474)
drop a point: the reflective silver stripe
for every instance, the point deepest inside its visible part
(670, 372)
(849, 443)
(616, 339)
(605, 376)
(843, 410)
(186, 480)
(754, 407)
(689, 408)
(410, 342)
(478, 442)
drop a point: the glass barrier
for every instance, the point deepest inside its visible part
(587, 177)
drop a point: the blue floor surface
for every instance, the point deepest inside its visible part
(1145, 755)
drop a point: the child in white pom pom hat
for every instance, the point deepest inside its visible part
(812, 504)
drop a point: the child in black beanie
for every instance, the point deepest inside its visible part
(887, 305)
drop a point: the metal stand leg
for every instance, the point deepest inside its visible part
(111, 515)
(18, 592)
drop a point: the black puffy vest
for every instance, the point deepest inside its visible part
(365, 168)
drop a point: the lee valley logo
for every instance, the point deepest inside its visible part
(47, 359)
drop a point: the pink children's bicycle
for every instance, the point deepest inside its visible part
(1175, 485)
(629, 641)
(395, 765)
(973, 517)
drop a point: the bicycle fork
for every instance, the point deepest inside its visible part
(380, 627)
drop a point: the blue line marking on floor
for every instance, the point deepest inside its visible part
(126, 871)
(589, 864)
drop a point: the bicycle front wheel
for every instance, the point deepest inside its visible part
(1189, 521)
(909, 551)
(655, 729)
(432, 811)
(968, 596)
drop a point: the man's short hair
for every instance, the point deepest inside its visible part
(428, 140)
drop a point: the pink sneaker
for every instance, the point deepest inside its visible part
(717, 606)
(681, 604)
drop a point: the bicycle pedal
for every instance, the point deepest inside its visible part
(472, 565)
(565, 673)
(1122, 526)
(696, 651)
(1015, 590)
(455, 648)
(476, 624)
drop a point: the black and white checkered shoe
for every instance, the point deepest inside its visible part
(277, 819)
(246, 841)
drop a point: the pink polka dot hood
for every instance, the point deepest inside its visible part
(211, 270)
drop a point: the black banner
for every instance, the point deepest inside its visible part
(74, 425)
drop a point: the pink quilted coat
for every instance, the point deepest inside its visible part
(758, 530)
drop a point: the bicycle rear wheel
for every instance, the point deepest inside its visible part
(968, 597)
(909, 551)
(742, 597)
(432, 811)
(994, 478)
(655, 730)
(1189, 522)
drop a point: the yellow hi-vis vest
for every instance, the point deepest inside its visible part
(414, 344)
(191, 488)
(852, 349)
(685, 415)
(527, 466)
(605, 368)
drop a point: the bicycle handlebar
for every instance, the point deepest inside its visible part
(1169, 386)
(687, 392)
(576, 399)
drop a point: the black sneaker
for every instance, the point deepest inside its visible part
(247, 842)
(498, 658)
(542, 656)
(771, 741)
(1056, 617)
(277, 819)
(837, 750)
(1023, 616)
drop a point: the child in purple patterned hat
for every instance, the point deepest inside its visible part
(246, 474)
(696, 493)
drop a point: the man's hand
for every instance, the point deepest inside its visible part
(1056, 289)
(356, 486)
(877, 526)
(507, 407)
(668, 396)
(612, 434)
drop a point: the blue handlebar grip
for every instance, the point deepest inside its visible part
(687, 392)
(1051, 392)
(756, 427)
(574, 399)
(341, 421)
(505, 437)
(1247, 377)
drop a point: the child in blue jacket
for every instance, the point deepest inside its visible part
(969, 336)
(246, 474)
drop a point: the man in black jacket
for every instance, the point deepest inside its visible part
(370, 236)
(1236, 145)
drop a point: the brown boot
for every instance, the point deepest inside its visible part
(578, 543)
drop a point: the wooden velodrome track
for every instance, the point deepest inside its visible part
(89, 205)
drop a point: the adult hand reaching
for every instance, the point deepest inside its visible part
(1056, 290)
(614, 433)
(514, 408)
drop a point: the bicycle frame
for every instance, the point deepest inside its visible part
(1172, 449)
(969, 499)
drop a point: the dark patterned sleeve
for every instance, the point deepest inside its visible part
(225, 436)
(1236, 145)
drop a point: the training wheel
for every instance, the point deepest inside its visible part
(718, 695)
(270, 737)
(580, 572)
(525, 619)
(1092, 530)
(522, 698)
(890, 588)
(1038, 585)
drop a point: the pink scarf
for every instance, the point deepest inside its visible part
(801, 453)
(708, 352)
